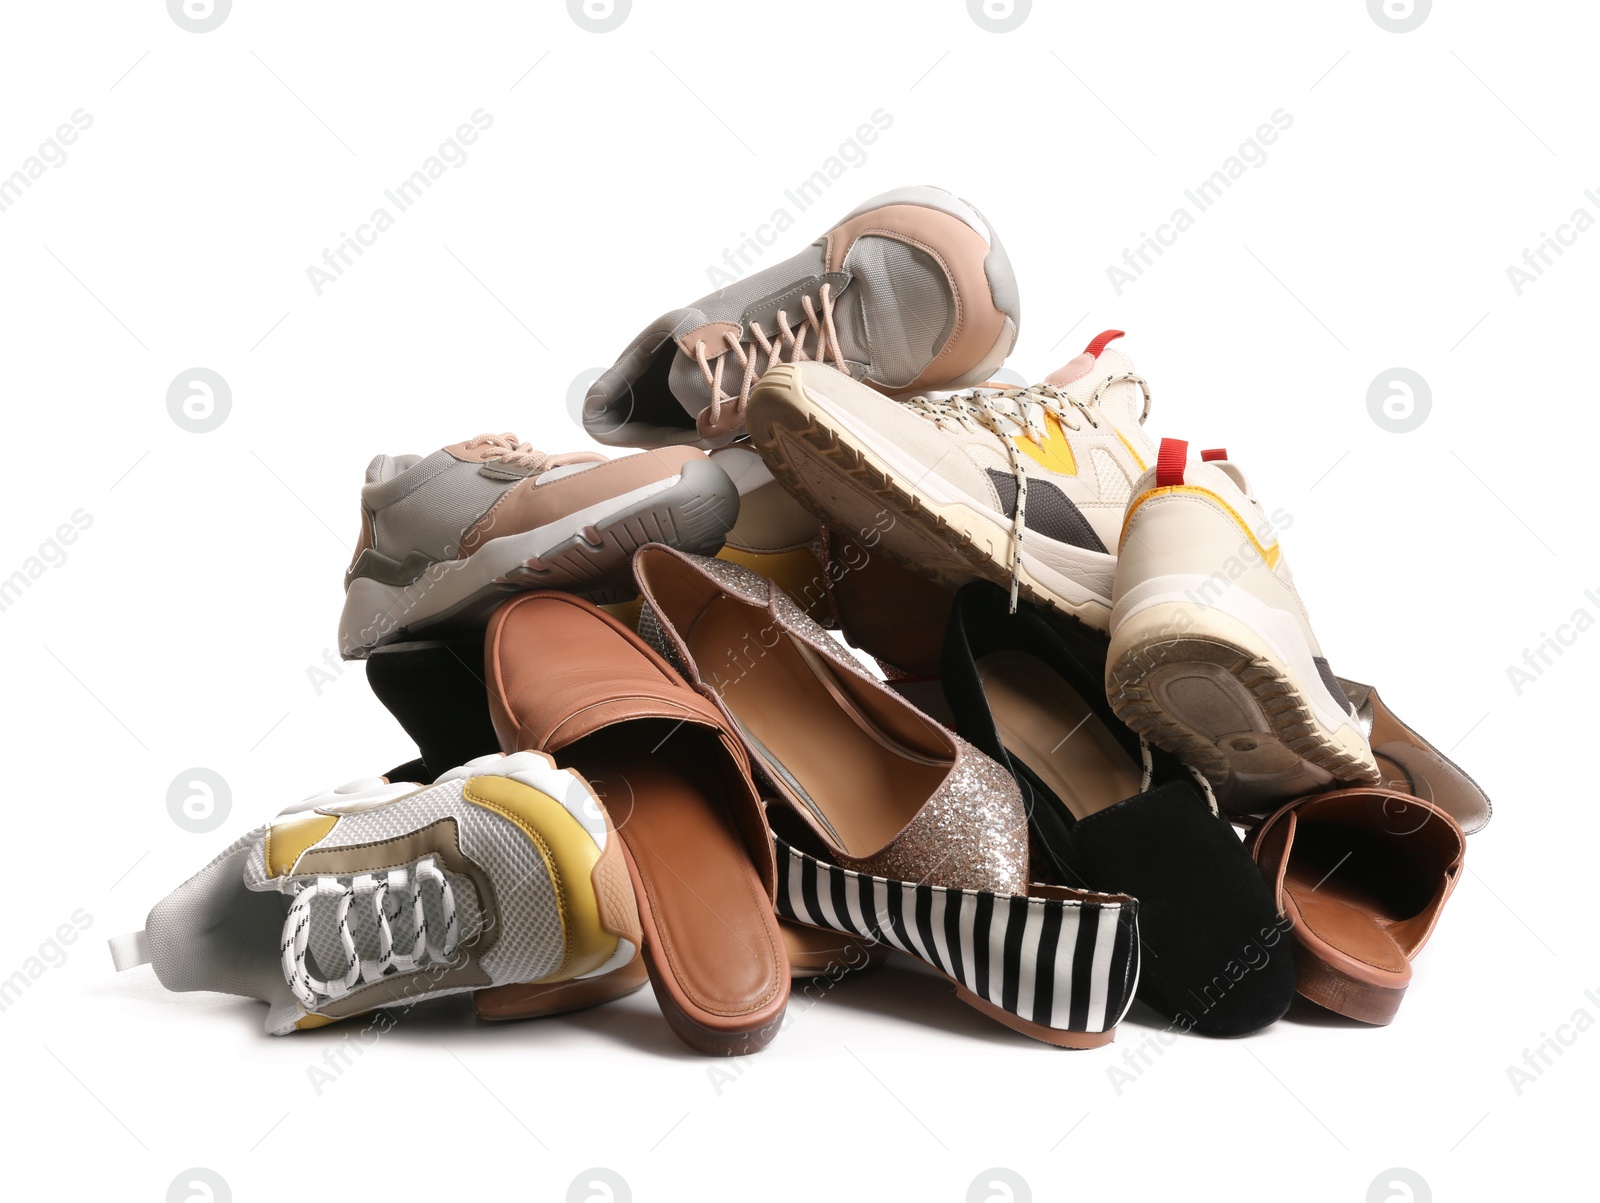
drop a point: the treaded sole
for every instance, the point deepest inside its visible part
(694, 515)
(1243, 765)
(843, 488)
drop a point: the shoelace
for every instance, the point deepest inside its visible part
(375, 888)
(1016, 413)
(721, 417)
(513, 451)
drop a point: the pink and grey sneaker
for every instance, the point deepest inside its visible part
(911, 290)
(1212, 654)
(446, 537)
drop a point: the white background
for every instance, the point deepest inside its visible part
(182, 627)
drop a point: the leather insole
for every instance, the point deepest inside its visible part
(860, 783)
(1344, 925)
(708, 923)
(1044, 723)
(1352, 891)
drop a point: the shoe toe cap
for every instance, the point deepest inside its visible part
(1217, 958)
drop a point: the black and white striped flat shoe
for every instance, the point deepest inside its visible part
(1055, 964)
(887, 826)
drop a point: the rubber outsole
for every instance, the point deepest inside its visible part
(1292, 733)
(844, 488)
(534, 1001)
(694, 515)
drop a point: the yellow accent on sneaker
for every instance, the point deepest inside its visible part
(1269, 555)
(288, 839)
(1055, 455)
(1137, 458)
(570, 856)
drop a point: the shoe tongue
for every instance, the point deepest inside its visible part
(1074, 369)
(327, 950)
(1123, 402)
(387, 467)
(756, 301)
(688, 384)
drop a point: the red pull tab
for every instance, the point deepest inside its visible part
(1170, 462)
(1214, 453)
(1098, 343)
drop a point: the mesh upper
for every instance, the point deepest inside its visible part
(896, 315)
(191, 907)
(905, 305)
(531, 941)
(1115, 488)
(429, 506)
(905, 292)
(327, 952)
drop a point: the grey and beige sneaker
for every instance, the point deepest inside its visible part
(1025, 487)
(911, 290)
(504, 871)
(446, 537)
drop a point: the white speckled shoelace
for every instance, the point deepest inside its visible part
(374, 889)
(1019, 412)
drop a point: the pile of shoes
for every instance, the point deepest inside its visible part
(1080, 670)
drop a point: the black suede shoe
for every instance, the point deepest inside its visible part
(1111, 814)
(435, 689)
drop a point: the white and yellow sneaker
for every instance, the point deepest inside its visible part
(504, 871)
(1024, 487)
(1212, 654)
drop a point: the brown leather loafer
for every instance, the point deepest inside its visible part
(1362, 875)
(568, 679)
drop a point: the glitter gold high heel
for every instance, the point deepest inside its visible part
(886, 825)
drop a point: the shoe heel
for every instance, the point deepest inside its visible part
(1343, 995)
(1194, 681)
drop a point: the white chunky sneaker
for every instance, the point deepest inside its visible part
(504, 871)
(1212, 655)
(1023, 487)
